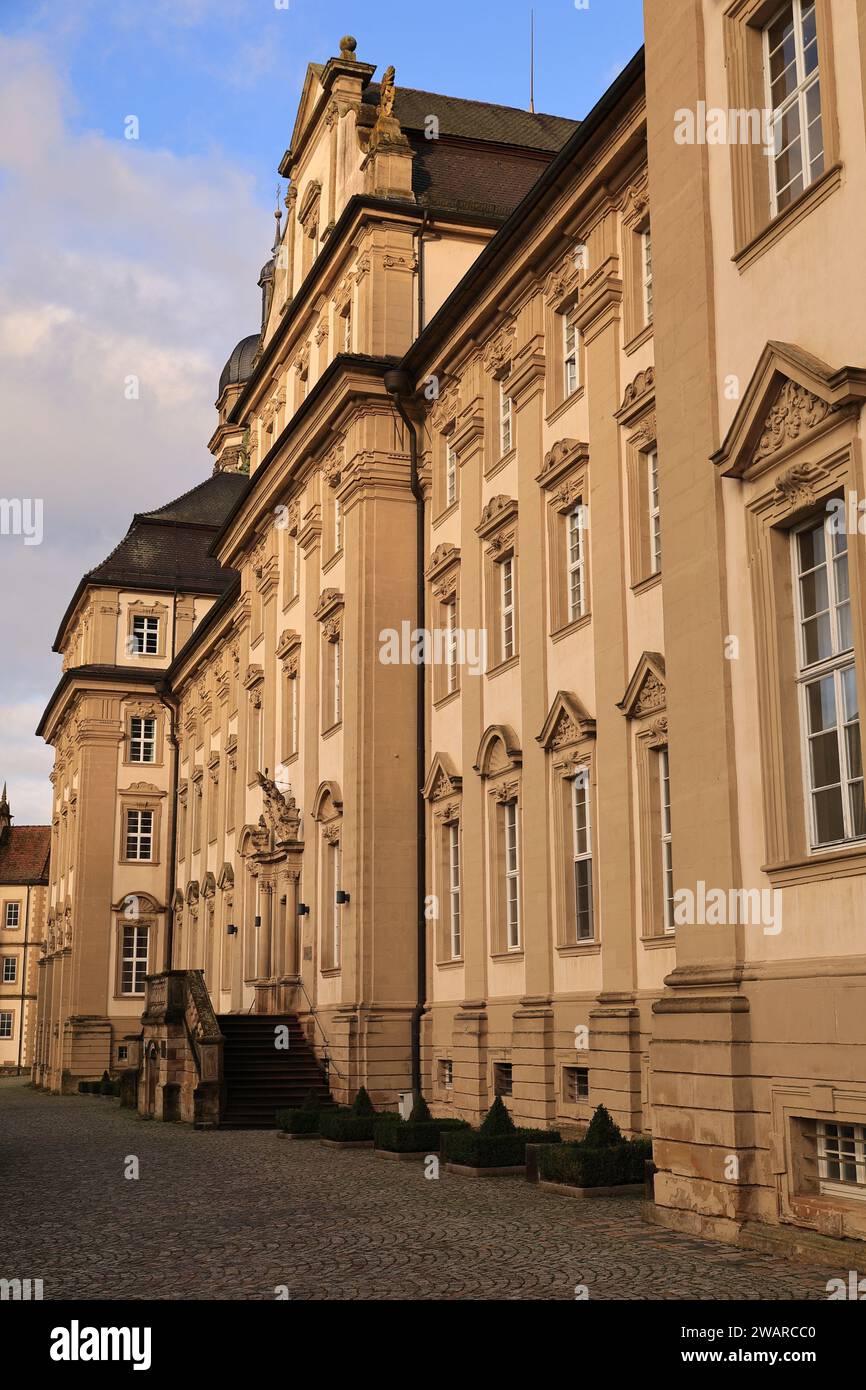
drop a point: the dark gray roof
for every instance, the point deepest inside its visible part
(476, 120)
(239, 366)
(206, 504)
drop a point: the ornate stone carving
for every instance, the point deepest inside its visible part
(563, 280)
(499, 350)
(795, 488)
(796, 410)
(643, 383)
(652, 695)
(280, 811)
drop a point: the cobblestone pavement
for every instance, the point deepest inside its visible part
(232, 1215)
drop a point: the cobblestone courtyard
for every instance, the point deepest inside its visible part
(232, 1215)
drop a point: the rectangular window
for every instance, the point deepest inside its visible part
(570, 352)
(139, 834)
(452, 670)
(454, 889)
(142, 740)
(666, 850)
(655, 521)
(506, 607)
(13, 915)
(338, 525)
(830, 716)
(582, 851)
(446, 1074)
(502, 1079)
(450, 475)
(842, 1159)
(647, 269)
(505, 424)
(10, 970)
(292, 695)
(133, 965)
(145, 636)
(794, 96)
(336, 873)
(574, 536)
(6, 1025)
(347, 329)
(576, 1084)
(337, 681)
(512, 877)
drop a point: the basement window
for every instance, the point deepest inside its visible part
(502, 1082)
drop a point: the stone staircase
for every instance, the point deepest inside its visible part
(261, 1078)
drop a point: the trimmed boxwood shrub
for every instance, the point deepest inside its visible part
(412, 1137)
(356, 1124)
(585, 1165)
(475, 1149)
(303, 1121)
(603, 1130)
(89, 1088)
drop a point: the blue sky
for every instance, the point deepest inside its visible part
(141, 257)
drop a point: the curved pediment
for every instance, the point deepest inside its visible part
(498, 751)
(328, 801)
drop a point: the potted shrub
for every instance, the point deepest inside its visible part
(421, 1134)
(303, 1123)
(497, 1148)
(603, 1163)
(354, 1127)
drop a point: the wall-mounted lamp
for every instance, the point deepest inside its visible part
(342, 897)
(303, 910)
(231, 929)
(257, 921)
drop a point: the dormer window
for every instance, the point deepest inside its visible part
(145, 636)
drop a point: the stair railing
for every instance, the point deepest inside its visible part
(330, 1065)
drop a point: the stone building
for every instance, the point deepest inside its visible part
(24, 853)
(516, 747)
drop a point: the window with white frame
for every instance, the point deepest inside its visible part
(10, 970)
(647, 273)
(446, 1073)
(293, 696)
(338, 525)
(454, 936)
(335, 876)
(582, 854)
(571, 361)
(142, 740)
(794, 96)
(574, 537)
(841, 1159)
(506, 434)
(337, 680)
(7, 1024)
(575, 1084)
(452, 669)
(347, 328)
(655, 520)
(145, 635)
(506, 608)
(830, 716)
(450, 474)
(139, 834)
(12, 917)
(133, 963)
(512, 876)
(666, 847)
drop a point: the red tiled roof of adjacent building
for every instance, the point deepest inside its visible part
(24, 854)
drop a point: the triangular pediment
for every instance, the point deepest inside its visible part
(791, 397)
(567, 722)
(442, 780)
(646, 692)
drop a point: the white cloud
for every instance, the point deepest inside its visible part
(117, 260)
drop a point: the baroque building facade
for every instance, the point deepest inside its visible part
(24, 857)
(511, 742)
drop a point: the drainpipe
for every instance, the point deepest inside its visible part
(171, 705)
(25, 962)
(398, 384)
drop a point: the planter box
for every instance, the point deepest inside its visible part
(346, 1143)
(564, 1189)
(466, 1172)
(409, 1155)
(284, 1134)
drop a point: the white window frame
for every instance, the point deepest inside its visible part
(7, 1029)
(10, 978)
(835, 666)
(798, 98)
(511, 866)
(506, 423)
(347, 328)
(338, 525)
(506, 607)
(145, 635)
(446, 1073)
(452, 670)
(581, 848)
(570, 352)
(646, 252)
(654, 508)
(336, 854)
(572, 1085)
(829, 1150)
(667, 863)
(12, 910)
(294, 722)
(143, 740)
(455, 938)
(337, 686)
(450, 474)
(136, 835)
(575, 567)
(134, 950)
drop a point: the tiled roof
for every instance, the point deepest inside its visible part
(24, 853)
(451, 177)
(476, 120)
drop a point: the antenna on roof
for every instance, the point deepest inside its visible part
(532, 61)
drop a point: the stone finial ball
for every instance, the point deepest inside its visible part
(348, 44)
